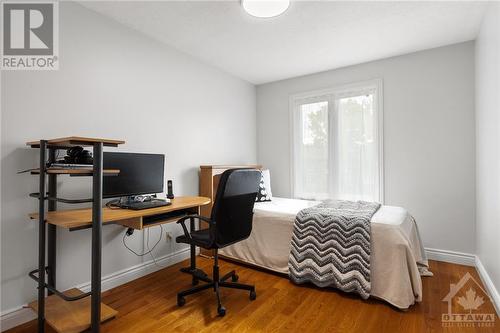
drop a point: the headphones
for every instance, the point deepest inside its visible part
(78, 155)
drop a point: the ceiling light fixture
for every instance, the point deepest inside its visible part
(265, 8)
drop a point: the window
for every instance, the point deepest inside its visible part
(337, 143)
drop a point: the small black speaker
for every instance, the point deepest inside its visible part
(170, 190)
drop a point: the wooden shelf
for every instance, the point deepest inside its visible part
(142, 222)
(82, 218)
(78, 172)
(72, 141)
(71, 317)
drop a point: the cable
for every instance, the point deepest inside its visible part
(151, 250)
(147, 244)
(47, 165)
(113, 204)
(27, 170)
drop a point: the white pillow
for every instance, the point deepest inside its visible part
(266, 175)
(264, 193)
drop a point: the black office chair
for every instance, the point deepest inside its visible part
(230, 222)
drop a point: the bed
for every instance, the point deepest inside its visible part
(397, 255)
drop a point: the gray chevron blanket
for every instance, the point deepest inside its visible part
(331, 246)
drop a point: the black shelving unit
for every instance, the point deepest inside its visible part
(47, 237)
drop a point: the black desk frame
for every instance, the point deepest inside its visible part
(51, 241)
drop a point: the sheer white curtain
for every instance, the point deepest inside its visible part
(337, 150)
(312, 148)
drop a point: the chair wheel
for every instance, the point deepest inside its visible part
(195, 281)
(235, 278)
(253, 295)
(181, 301)
(221, 311)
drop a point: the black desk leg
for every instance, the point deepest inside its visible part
(41, 240)
(51, 229)
(192, 247)
(95, 315)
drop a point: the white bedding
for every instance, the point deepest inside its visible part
(396, 249)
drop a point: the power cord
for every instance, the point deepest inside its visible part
(151, 250)
(47, 164)
(128, 233)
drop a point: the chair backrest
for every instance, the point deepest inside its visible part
(233, 207)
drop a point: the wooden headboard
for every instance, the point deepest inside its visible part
(209, 181)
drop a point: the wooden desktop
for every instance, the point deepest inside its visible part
(74, 219)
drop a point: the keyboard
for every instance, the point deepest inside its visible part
(146, 204)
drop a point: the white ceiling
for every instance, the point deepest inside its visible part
(312, 36)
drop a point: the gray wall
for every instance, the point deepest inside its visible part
(113, 82)
(488, 143)
(428, 129)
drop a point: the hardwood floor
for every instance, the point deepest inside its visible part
(149, 305)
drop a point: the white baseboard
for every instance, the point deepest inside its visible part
(21, 315)
(16, 317)
(451, 256)
(488, 283)
(131, 273)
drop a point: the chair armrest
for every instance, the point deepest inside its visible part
(196, 216)
(182, 222)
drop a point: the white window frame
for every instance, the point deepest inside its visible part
(336, 91)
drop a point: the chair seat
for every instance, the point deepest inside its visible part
(198, 237)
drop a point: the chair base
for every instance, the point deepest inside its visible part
(215, 283)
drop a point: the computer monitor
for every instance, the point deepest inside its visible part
(139, 174)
